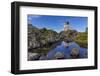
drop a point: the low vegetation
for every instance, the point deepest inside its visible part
(82, 39)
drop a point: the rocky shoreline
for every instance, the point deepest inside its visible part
(59, 52)
(41, 41)
(44, 37)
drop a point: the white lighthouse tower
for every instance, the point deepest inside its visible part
(67, 26)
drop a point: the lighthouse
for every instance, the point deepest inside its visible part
(67, 26)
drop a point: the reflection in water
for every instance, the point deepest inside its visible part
(66, 49)
(63, 51)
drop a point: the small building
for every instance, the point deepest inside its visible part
(67, 26)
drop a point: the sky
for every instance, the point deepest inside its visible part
(56, 23)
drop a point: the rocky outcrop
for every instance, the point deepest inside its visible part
(41, 41)
(48, 36)
(68, 36)
(44, 37)
(33, 37)
(40, 37)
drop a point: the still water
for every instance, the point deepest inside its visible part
(61, 48)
